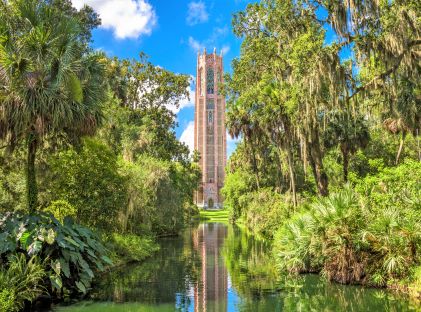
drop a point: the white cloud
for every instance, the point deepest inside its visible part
(219, 32)
(185, 102)
(197, 13)
(126, 18)
(187, 136)
(225, 49)
(214, 40)
(196, 45)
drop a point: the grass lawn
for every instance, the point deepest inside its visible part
(214, 215)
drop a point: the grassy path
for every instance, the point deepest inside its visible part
(214, 216)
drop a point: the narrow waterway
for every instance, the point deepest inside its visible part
(216, 267)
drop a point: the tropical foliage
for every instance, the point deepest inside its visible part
(50, 86)
(72, 253)
(326, 102)
(370, 238)
(87, 146)
(20, 281)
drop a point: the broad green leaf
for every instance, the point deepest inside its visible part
(83, 231)
(72, 241)
(107, 260)
(98, 265)
(34, 248)
(83, 264)
(50, 237)
(56, 266)
(91, 253)
(65, 267)
(56, 282)
(81, 287)
(24, 239)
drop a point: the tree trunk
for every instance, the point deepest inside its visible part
(400, 147)
(292, 174)
(279, 173)
(345, 155)
(316, 162)
(31, 179)
(255, 169)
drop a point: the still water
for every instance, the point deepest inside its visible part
(216, 267)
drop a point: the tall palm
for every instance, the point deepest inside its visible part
(239, 123)
(49, 85)
(350, 133)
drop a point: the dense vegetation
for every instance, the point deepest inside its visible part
(325, 97)
(327, 103)
(91, 170)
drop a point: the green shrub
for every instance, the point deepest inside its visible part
(382, 147)
(61, 209)
(236, 185)
(264, 211)
(294, 247)
(21, 280)
(7, 300)
(321, 238)
(392, 185)
(130, 248)
(370, 239)
(155, 203)
(415, 283)
(12, 182)
(72, 253)
(89, 181)
(393, 199)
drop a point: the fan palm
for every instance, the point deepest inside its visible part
(350, 133)
(239, 123)
(49, 85)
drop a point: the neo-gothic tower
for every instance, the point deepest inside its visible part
(209, 129)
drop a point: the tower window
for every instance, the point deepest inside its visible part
(210, 81)
(199, 82)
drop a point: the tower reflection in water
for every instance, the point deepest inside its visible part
(211, 290)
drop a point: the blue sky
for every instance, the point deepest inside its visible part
(170, 32)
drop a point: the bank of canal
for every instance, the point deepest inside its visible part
(218, 267)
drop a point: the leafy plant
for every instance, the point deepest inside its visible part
(88, 179)
(236, 185)
(72, 253)
(62, 97)
(372, 239)
(265, 210)
(61, 209)
(130, 248)
(20, 281)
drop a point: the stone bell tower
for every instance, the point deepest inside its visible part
(209, 129)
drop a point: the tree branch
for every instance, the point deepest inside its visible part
(389, 71)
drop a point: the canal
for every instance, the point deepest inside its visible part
(219, 267)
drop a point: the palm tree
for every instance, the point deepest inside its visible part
(239, 123)
(49, 84)
(350, 133)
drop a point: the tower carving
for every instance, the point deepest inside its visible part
(209, 129)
